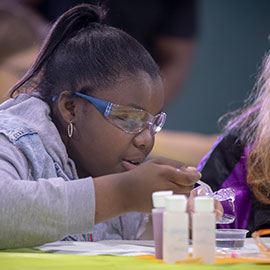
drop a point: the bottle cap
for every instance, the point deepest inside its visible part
(203, 204)
(176, 203)
(158, 197)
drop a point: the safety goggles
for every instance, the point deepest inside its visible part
(129, 119)
(261, 244)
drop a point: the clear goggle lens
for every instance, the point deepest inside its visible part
(134, 120)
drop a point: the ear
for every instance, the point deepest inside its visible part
(67, 106)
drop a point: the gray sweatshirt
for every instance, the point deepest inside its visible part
(38, 203)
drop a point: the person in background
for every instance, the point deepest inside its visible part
(74, 136)
(18, 51)
(166, 28)
(240, 158)
(30, 28)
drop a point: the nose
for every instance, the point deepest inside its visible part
(144, 140)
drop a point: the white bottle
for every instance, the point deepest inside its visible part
(175, 229)
(157, 219)
(204, 230)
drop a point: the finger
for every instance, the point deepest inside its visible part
(179, 189)
(218, 209)
(185, 178)
(189, 169)
(201, 191)
(190, 204)
(218, 214)
(193, 193)
(177, 176)
(170, 162)
(179, 166)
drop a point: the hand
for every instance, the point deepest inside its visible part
(155, 175)
(200, 191)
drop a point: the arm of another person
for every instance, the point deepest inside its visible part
(174, 58)
(175, 43)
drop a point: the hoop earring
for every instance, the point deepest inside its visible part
(70, 129)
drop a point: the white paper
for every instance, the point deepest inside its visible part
(132, 248)
(97, 248)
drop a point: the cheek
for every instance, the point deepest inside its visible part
(103, 146)
(107, 153)
(111, 140)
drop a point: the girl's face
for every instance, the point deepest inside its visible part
(97, 146)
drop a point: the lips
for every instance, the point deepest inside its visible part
(130, 164)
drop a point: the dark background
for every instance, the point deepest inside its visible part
(233, 38)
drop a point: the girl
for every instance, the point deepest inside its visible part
(79, 124)
(240, 159)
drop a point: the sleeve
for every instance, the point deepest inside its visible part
(226, 166)
(221, 162)
(133, 225)
(36, 212)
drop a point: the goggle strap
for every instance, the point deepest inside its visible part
(100, 104)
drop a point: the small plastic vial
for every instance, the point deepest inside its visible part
(175, 229)
(158, 198)
(204, 229)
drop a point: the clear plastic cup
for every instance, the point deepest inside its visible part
(230, 238)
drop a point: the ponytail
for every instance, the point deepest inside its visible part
(82, 53)
(66, 26)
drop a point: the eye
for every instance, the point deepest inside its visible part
(122, 116)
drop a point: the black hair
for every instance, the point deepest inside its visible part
(82, 53)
